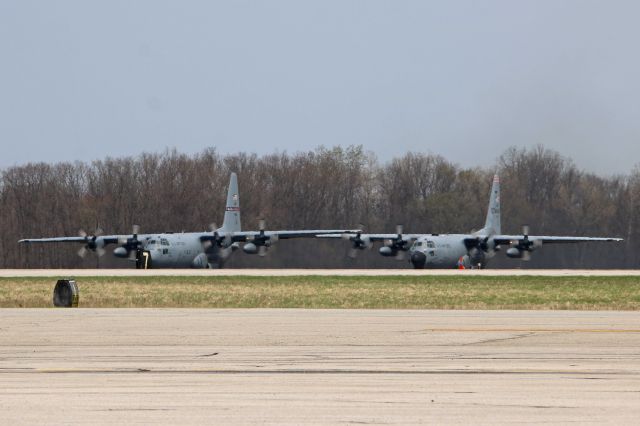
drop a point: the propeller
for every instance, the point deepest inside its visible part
(526, 246)
(400, 243)
(91, 243)
(357, 242)
(206, 244)
(480, 248)
(401, 251)
(262, 241)
(487, 245)
(224, 242)
(396, 246)
(131, 244)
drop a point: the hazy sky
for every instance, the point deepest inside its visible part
(81, 80)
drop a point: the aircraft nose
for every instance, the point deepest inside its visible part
(418, 259)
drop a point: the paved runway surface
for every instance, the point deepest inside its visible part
(303, 272)
(80, 366)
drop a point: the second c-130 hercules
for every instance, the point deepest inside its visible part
(189, 249)
(442, 251)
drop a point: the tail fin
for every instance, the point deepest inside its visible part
(492, 224)
(231, 221)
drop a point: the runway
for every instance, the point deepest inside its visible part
(308, 272)
(80, 366)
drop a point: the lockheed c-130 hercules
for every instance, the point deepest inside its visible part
(442, 251)
(189, 249)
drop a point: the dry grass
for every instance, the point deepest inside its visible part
(400, 292)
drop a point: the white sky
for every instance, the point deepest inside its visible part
(81, 80)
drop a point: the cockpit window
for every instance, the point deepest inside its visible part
(164, 242)
(152, 242)
(431, 244)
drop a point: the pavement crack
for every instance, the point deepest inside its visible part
(503, 339)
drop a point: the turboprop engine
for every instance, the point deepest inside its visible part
(253, 248)
(120, 252)
(388, 251)
(92, 243)
(260, 242)
(358, 242)
(396, 247)
(250, 248)
(514, 253)
(521, 249)
(129, 246)
(479, 251)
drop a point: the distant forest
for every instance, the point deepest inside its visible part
(324, 188)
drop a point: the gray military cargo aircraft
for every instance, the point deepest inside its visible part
(443, 251)
(190, 249)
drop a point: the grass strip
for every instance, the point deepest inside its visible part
(318, 292)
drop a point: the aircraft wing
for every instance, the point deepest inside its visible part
(547, 239)
(243, 236)
(53, 240)
(374, 237)
(108, 239)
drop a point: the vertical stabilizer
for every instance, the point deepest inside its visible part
(492, 224)
(232, 210)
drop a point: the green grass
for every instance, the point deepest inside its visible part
(397, 292)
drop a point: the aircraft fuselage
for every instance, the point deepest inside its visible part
(168, 250)
(443, 251)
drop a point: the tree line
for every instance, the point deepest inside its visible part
(323, 188)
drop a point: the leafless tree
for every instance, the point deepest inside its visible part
(323, 188)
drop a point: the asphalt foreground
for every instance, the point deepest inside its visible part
(292, 366)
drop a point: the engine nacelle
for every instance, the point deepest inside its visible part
(250, 248)
(200, 261)
(514, 253)
(387, 251)
(362, 243)
(95, 243)
(477, 256)
(121, 252)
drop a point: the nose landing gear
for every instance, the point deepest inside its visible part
(143, 259)
(418, 259)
